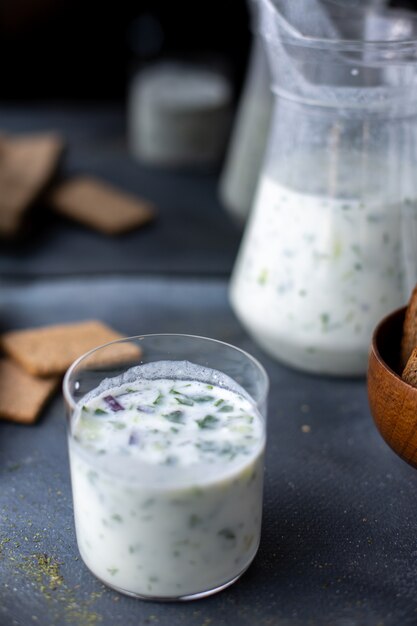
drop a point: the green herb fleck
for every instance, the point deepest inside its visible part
(209, 421)
(175, 392)
(227, 533)
(218, 402)
(117, 518)
(112, 570)
(209, 386)
(159, 399)
(263, 277)
(227, 408)
(325, 319)
(194, 520)
(184, 400)
(100, 412)
(171, 460)
(177, 417)
(200, 399)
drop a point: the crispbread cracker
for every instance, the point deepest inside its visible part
(409, 374)
(22, 396)
(50, 350)
(27, 165)
(409, 336)
(100, 206)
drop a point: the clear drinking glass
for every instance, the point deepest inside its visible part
(331, 244)
(170, 531)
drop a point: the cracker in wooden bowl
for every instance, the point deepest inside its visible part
(409, 337)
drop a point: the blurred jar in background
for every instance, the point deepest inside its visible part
(179, 114)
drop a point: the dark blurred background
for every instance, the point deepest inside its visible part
(86, 49)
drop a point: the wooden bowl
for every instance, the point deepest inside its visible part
(393, 402)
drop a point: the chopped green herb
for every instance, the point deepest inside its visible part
(177, 417)
(175, 392)
(159, 399)
(117, 518)
(100, 412)
(227, 408)
(194, 520)
(200, 399)
(227, 533)
(171, 460)
(218, 402)
(112, 570)
(209, 421)
(209, 386)
(325, 318)
(184, 400)
(263, 277)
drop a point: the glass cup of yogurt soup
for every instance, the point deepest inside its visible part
(166, 444)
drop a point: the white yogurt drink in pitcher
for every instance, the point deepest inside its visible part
(167, 474)
(331, 245)
(316, 273)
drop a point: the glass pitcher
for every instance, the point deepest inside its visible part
(331, 244)
(249, 137)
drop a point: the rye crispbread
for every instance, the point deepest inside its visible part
(50, 350)
(100, 206)
(409, 336)
(22, 396)
(27, 166)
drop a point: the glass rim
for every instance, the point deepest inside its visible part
(73, 404)
(402, 46)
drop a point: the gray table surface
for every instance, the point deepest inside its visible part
(339, 539)
(339, 533)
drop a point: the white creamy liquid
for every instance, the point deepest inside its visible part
(167, 483)
(314, 275)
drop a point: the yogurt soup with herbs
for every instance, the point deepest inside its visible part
(315, 274)
(167, 478)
